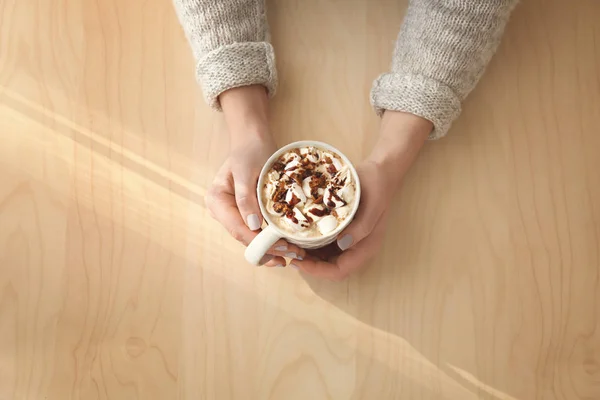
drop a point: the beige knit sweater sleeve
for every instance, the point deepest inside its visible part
(230, 41)
(441, 52)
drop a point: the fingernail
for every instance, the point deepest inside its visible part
(265, 259)
(253, 222)
(294, 266)
(299, 258)
(279, 265)
(281, 248)
(291, 255)
(345, 242)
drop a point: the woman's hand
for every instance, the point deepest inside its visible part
(363, 238)
(402, 136)
(231, 198)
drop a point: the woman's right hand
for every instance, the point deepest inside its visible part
(231, 198)
(401, 138)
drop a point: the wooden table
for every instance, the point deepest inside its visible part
(116, 284)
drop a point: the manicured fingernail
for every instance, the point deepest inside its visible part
(265, 259)
(281, 248)
(345, 242)
(294, 266)
(299, 258)
(291, 255)
(253, 222)
(279, 265)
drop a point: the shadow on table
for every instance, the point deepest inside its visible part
(396, 348)
(401, 308)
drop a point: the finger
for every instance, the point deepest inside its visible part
(275, 262)
(245, 197)
(319, 268)
(220, 201)
(338, 268)
(327, 252)
(285, 249)
(224, 209)
(223, 179)
(359, 255)
(341, 266)
(361, 227)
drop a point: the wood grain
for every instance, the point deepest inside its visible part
(116, 284)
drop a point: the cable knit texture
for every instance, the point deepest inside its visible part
(442, 50)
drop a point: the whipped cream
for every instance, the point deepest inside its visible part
(309, 191)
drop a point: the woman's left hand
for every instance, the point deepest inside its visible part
(402, 136)
(362, 239)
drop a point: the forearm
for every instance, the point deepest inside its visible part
(401, 137)
(230, 42)
(441, 52)
(246, 111)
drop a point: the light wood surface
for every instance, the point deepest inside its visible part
(116, 284)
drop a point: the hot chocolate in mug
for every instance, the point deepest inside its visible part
(272, 232)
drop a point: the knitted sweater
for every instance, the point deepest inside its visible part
(441, 52)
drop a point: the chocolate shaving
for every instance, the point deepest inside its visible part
(298, 178)
(306, 173)
(279, 194)
(319, 181)
(318, 212)
(290, 215)
(279, 207)
(334, 195)
(295, 200)
(338, 198)
(289, 159)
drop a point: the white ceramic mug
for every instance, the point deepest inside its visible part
(272, 233)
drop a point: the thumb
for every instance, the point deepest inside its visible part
(246, 200)
(363, 224)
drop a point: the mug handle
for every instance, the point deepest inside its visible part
(259, 246)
